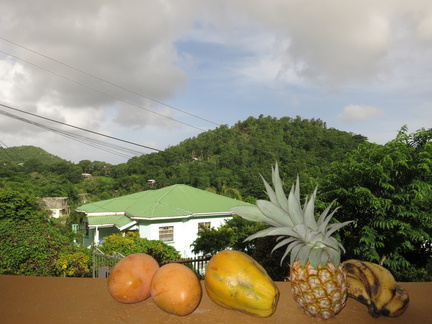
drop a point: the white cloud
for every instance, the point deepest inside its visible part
(131, 45)
(358, 113)
(12, 77)
(139, 118)
(336, 42)
(127, 44)
(282, 56)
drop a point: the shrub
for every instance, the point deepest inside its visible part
(131, 242)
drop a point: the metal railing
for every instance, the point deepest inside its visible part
(103, 263)
(197, 264)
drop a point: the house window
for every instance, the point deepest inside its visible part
(203, 225)
(166, 233)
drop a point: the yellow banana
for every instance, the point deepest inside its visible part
(357, 290)
(386, 288)
(398, 304)
(360, 271)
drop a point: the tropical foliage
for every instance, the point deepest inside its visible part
(386, 189)
(77, 263)
(230, 235)
(132, 243)
(23, 154)
(30, 242)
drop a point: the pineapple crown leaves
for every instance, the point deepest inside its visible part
(296, 226)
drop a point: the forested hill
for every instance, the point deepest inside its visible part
(235, 156)
(227, 159)
(20, 154)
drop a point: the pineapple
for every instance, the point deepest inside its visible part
(318, 283)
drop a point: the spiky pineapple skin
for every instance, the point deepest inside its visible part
(320, 292)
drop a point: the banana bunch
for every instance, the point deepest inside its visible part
(374, 286)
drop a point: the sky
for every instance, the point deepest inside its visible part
(105, 80)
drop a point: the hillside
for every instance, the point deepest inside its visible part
(226, 160)
(234, 157)
(20, 154)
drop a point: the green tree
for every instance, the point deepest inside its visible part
(271, 261)
(102, 169)
(21, 206)
(86, 166)
(212, 240)
(387, 191)
(67, 170)
(29, 242)
(76, 263)
(131, 243)
(227, 192)
(34, 165)
(230, 235)
(29, 248)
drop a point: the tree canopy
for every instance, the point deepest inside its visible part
(230, 235)
(30, 242)
(387, 191)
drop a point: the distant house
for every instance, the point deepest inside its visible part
(58, 206)
(172, 214)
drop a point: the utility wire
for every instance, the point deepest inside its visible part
(79, 138)
(107, 81)
(7, 152)
(116, 97)
(102, 92)
(85, 140)
(80, 128)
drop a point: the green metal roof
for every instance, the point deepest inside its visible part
(173, 201)
(119, 221)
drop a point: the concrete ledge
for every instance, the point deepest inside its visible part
(75, 300)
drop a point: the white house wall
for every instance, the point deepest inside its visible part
(185, 231)
(55, 213)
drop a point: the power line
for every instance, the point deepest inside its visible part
(116, 97)
(103, 92)
(83, 139)
(76, 127)
(107, 81)
(110, 148)
(7, 152)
